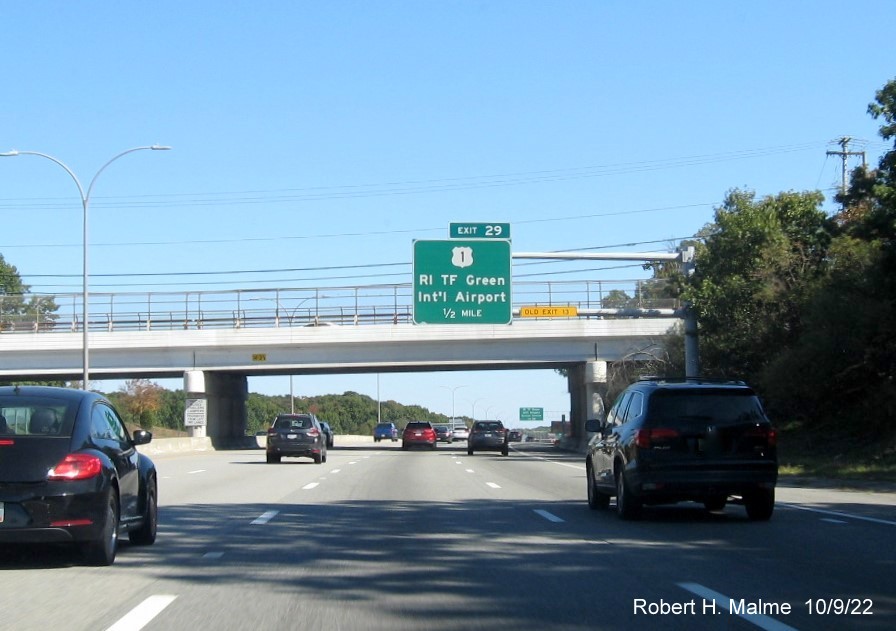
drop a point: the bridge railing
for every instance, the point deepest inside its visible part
(299, 307)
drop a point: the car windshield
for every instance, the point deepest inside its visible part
(293, 422)
(719, 407)
(35, 417)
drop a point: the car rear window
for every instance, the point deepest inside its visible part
(719, 407)
(35, 417)
(489, 427)
(416, 425)
(293, 422)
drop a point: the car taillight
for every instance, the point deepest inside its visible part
(645, 438)
(764, 432)
(313, 433)
(76, 467)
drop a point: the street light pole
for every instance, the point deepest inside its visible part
(85, 205)
(453, 390)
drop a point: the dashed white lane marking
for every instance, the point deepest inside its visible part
(722, 603)
(142, 614)
(470, 471)
(310, 486)
(212, 555)
(335, 470)
(549, 516)
(196, 471)
(265, 517)
(493, 485)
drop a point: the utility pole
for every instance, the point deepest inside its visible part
(844, 154)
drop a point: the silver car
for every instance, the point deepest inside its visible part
(461, 432)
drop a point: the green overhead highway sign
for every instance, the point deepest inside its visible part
(479, 230)
(462, 282)
(531, 414)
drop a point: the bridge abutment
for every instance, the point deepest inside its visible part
(588, 392)
(226, 395)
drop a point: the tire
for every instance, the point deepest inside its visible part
(145, 535)
(318, 458)
(715, 503)
(101, 551)
(596, 499)
(469, 451)
(433, 446)
(627, 506)
(505, 451)
(273, 458)
(760, 504)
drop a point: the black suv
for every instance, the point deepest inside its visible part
(672, 441)
(488, 436)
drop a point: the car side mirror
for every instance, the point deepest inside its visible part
(141, 437)
(594, 425)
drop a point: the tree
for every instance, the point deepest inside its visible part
(755, 268)
(140, 400)
(15, 312)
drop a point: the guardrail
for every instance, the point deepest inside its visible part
(299, 307)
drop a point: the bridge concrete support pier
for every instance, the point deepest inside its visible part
(588, 393)
(226, 394)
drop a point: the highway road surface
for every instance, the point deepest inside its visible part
(380, 538)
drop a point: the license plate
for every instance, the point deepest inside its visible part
(292, 436)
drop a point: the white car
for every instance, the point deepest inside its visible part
(461, 432)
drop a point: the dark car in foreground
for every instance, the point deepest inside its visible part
(488, 436)
(385, 431)
(419, 433)
(667, 441)
(70, 473)
(296, 435)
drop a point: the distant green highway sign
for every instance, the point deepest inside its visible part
(462, 282)
(531, 414)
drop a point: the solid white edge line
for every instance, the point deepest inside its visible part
(761, 621)
(838, 514)
(142, 614)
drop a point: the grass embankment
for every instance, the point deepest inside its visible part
(836, 454)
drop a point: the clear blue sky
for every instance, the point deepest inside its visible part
(316, 134)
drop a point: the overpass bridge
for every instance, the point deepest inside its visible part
(216, 339)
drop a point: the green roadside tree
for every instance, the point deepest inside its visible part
(755, 268)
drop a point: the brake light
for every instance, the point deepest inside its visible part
(76, 467)
(770, 434)
(645, 438)
(7, 441)
(314, 433)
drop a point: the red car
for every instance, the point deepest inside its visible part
(419, 433)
